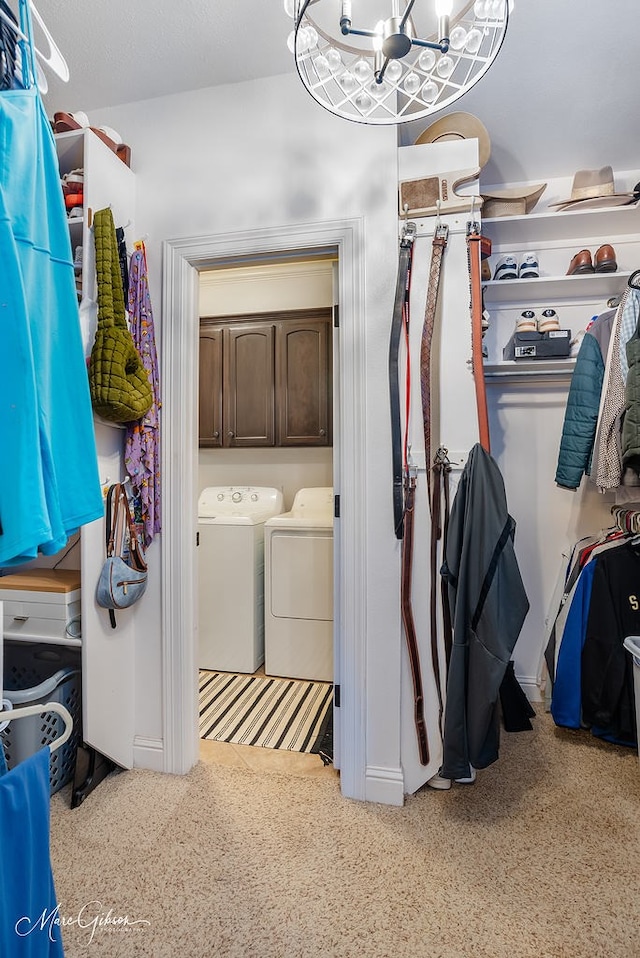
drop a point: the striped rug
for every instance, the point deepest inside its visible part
(267, 712)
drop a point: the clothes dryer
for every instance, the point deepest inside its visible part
(299, 588)
(231, 575)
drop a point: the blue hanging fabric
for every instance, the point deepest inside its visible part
(50, 484)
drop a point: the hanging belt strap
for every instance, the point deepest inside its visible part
(407, 619)
(441, 470)
(475, 281)
(439, 245)
(401, 302)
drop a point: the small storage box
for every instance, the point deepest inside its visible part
(42, 673)
(41, 604)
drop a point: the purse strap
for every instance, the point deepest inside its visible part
(117, 517)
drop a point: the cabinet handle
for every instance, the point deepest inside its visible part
(322, 432)
(216, 434)
(231, 434)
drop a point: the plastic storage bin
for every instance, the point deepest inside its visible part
(632, 645)
(42, 673)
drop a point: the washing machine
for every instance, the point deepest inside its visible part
(299, 588)
(231, 522)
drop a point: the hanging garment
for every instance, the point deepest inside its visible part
(50, 484)
(28, 908)
(488, 606)
(142, 448)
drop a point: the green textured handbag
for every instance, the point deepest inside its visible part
(119, 383)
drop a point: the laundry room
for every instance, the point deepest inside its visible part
(265, 503)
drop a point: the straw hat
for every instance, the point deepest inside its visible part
(515, 201)
(459, 126)
(593, 189)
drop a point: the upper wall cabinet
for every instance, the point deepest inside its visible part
(265, 380)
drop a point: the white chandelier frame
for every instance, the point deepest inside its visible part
(339, 71)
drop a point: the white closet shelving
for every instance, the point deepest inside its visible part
(555, 236)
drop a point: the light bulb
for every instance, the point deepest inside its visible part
(497, 9)
(430, 91)
(445, 67)
(290, 8)
(334, 59)
(363, 101)
(312, 37)
(347, 81)
(322, 67)
(427, 60)
(412, 83)
(457, 38)
(474, 41)
(362, 71)
(444, 8)
(393, 71)
(291, 41)
(378, 90)
(480, 8)
(303, 39)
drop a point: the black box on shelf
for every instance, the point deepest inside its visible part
(555, 344)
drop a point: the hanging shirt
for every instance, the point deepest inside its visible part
(49, 485)
(28, 905)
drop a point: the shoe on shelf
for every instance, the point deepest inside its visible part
(549, 321)
(506, 268)
(605, 259)
(581, 263)
(527, 322)
(529, 267)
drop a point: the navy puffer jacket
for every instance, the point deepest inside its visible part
(581, 415)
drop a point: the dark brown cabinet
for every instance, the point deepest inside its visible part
(266, 380)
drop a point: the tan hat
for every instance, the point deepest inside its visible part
(459, 126)
(515, 201)
(592, 189)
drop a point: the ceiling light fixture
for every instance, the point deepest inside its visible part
(364, 60)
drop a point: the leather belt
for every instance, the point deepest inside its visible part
(439, 529)
(408, 622)
(400, 305)
(475, 281)
(439, 245)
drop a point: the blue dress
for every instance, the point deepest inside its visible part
(49, 483)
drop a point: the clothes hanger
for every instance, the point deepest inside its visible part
(55, 60)
(10, 715)
(634, 279)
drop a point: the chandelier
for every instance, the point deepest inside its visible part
(391, 61)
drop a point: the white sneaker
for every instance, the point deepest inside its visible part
(506, 267)
(529, 267)
(548, 321)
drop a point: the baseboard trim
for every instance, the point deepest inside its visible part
(384, 785)
(148, 753)
(529, 685)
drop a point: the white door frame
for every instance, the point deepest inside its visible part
(182, 261)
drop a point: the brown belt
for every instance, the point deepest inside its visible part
(439, 244)
(474, 240)
(407, 618)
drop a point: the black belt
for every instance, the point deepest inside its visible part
(401, 301)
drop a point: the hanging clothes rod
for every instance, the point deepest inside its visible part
(10, 715)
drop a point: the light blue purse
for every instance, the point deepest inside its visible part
(123, 578)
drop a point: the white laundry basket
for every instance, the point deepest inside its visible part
(632, 645)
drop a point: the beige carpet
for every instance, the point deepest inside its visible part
(539, 859)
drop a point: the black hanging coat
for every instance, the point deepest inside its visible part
(488, 606)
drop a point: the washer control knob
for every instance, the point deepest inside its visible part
(254, 497)
(237, 497)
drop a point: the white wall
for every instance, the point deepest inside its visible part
(261, 155)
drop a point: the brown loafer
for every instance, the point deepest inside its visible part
(581, 263)
(605, 259)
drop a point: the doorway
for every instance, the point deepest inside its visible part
(264, 445)
(183, 261)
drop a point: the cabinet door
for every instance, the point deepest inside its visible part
(249, 385)
(210, 386)
(303, 383)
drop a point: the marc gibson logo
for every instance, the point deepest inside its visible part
(91, 916)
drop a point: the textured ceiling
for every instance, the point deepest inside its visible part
(561, 96)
